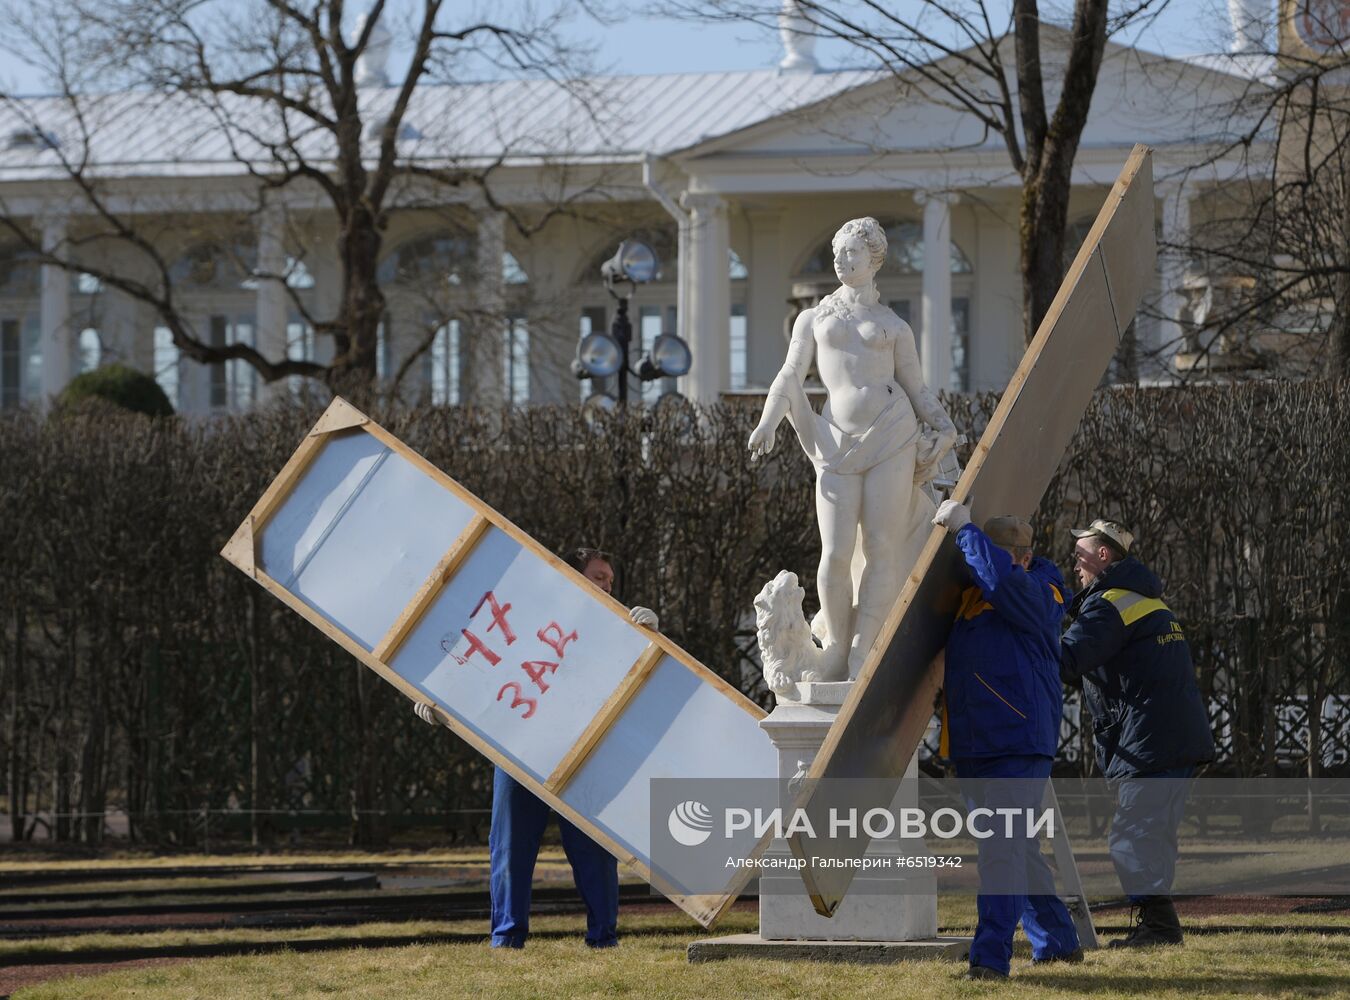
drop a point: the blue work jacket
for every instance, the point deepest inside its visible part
(1001, 687)
(1130, 653)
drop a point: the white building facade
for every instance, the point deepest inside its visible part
(738, 181)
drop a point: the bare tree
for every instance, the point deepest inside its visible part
(279, 84)
(991, 67)
(1282, 233)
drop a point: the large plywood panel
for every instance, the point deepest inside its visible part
(454, 605)
(891, 703)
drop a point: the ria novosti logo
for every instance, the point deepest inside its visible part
(690, 823)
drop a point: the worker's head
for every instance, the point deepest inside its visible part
(1097, 546)
(595, 565)
(1011, 534)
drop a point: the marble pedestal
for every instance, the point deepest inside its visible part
(889, 914)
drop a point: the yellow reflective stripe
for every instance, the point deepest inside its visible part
(944, 741)
(1132, 606)
(1059, 598)
(973, 604)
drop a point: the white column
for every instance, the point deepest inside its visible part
(58, 349)
(1176, 230)
(709, 291)
(935, 349)
(767, 299)
(271, 307)
(484, 376)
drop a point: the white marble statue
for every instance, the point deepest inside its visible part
(785, 648)
(881, 432)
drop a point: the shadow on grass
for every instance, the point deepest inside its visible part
(1199, 983)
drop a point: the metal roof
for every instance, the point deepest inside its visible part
(142, 133)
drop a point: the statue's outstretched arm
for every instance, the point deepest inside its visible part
(909, 373)
(801, 349)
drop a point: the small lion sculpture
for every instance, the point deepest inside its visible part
(787, 644)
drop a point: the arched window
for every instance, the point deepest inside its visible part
(425, 262)
(430, 279)
(222, 264)
(904, 253)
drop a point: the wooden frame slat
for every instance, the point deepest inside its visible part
(460, 549)
(609, 712)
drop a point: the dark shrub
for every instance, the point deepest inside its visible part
(123, 387)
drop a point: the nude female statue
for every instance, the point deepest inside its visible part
(867, 446)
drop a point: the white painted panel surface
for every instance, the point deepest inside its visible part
(528, 667)
(676, 726)
(360, 534)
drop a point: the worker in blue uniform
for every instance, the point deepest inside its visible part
(1149, 724)
(1001, 715)
(519, 819)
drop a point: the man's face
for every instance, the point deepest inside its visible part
(1090, 557)
(601, 574)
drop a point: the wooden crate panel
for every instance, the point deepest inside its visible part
(469, 647)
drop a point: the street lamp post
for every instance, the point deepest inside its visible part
(600, 355)
(622, 332)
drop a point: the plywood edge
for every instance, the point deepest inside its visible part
(291, 473)
(610, 711)
(239, 549)
(339, 416)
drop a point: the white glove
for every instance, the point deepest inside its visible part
(423, 711)
(645, 617)
(952, 515)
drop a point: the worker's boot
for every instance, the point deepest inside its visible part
(1157, 924)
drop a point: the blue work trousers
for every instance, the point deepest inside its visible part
(1015, 881)
(1143, 841)
(518, 821)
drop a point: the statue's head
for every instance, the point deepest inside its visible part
(859, 250)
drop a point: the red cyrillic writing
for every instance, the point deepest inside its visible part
(539, 672)
(476, 645)
(560, 641)
(498, 616)
(518, 699)
(536, 669)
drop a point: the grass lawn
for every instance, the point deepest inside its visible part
(651, 963)
(119, 860)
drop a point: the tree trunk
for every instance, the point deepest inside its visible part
(93, 757)
(18, 772)
(1338, 350)
(260, 830)
(1045, 211)
(359, 240)
(1051, 148)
